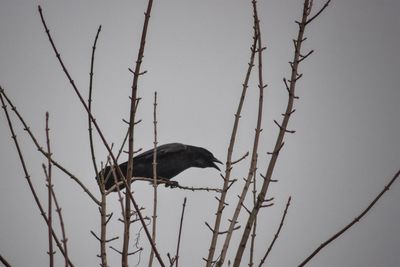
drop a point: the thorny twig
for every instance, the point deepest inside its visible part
(63, 233)
(101, 182)
(48, 175)
(254, 230)
(180, 233)
(155, 184)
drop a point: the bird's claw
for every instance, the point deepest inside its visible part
(172, 184)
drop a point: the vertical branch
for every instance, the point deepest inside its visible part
(154, 179)
(103, 202)
(253, 234)
(297, 58)
(25, 169)
(90, 102)
(180, 233)
(64, 236)
(136, 75)
(276, 234)
(259, 49)
(49, 187)
(228, 168)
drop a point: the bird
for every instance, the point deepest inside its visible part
(172, 159)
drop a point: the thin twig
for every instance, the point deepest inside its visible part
(62, 226)
(241, 158)
(155, 184)
(90, 102)
(254, 232)
(101, 182)
(208, 189)
(276, 234)
(353, 222)
(319, 12)
(180, 233)
(27, 176)
(49, 197)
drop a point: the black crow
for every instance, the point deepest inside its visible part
(172, 159)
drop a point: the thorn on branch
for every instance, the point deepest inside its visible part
(271, 180)
(112, 239)
(93, 233)
(209, 227)
(222, 232)
(138, 74)
(269, 199)
(134, 252)
(248, 211)
(231, 183)
(288, 114)
(171, 260)
(304, 57)
(283, 129)
(242, 158)
(109, 218)
(299, 76)
(116, 250)
(218, 199)
(267, 205)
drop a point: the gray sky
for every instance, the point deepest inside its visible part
(343, 152)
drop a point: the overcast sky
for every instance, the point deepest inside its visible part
(345, 149)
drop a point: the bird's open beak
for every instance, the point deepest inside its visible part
(217, 161)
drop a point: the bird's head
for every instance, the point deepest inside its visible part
(205, 159)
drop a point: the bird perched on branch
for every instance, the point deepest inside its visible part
(172, 159)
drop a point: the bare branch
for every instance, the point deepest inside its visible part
(176, 258)
(3, 260)
(276, 234)
(90, 102)
(319, 12)
(352, 223)
(62, 226)
(240, 159)
(49, 197)
(155, 184)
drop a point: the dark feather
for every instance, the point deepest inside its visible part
(172, 159)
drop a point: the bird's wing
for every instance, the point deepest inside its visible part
(162, 150)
